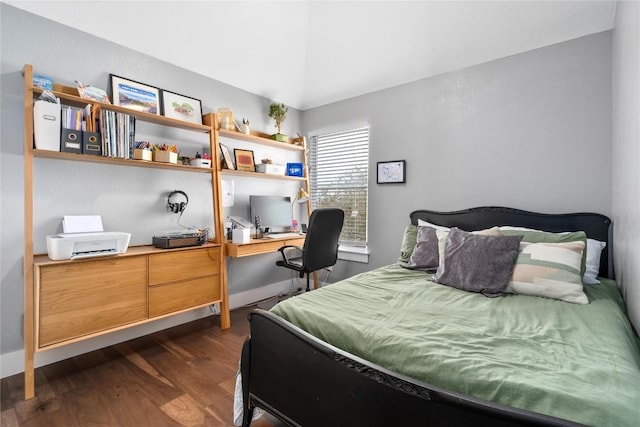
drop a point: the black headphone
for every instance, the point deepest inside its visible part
(177, 207)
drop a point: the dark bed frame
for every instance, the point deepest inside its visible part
(306, 382)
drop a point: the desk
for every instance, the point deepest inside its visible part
(264, 245)
(260, 246)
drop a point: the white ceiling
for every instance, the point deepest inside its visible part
(311, 53)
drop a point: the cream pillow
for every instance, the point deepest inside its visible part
(549, 270)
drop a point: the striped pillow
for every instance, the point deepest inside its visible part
(549, 270)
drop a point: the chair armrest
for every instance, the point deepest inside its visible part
(284, 248)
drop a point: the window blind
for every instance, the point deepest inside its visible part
(338, 175)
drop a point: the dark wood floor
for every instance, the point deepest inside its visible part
(183, 376)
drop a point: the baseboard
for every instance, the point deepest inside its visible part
(13, 363)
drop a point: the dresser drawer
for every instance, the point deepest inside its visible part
(170, 297)
(179, 265)
(77, 299)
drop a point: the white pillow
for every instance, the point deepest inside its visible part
(592, 264)
(422, 223)
(594, 249)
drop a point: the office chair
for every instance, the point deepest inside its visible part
(320, 248)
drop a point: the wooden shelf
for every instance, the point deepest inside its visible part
(261, 175)
(147, 117)
(193, 277)
(43, 259)
(116, 161)
(259, 139)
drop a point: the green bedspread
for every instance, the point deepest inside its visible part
(576, 362)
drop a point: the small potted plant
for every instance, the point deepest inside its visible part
(278, 112)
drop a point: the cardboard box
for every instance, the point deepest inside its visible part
(165, 156)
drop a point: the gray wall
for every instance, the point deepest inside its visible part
(530, 131)
(129, 199)
(626, 153)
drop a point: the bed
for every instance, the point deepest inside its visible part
(391, 346)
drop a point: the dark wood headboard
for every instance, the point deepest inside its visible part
(596, 226)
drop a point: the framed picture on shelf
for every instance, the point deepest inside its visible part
(181, 107)
(134, 95)
(244, 160)
(227, 160)
(391, 172)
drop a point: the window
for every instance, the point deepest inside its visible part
(338, 172)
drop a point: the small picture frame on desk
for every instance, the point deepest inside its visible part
(227, 160)
(134, 95)
(244, 160)
(391, 172)
(181, 107)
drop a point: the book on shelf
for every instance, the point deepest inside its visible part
(118, 133)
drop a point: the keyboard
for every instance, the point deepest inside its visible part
(283, 235)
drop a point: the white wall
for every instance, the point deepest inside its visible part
(626, 153)
(530, 131)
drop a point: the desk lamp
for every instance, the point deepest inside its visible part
(301, 197)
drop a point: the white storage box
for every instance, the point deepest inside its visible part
(46, 125)
(201, 163)
(241, 235)
(271, 168)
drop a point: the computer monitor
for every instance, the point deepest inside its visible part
(274, 212)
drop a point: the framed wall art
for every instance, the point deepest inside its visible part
(244, 160)
(134, 95)
(181, 107)
(227, 160)
(391, 172)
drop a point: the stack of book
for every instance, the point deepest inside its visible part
(72, 118)
(118, 133)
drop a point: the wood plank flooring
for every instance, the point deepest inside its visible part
(183, 376)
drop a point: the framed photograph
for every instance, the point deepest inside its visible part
(134, 95)
(244, 160)
(391, 172)
(181, 107)
(227, 160)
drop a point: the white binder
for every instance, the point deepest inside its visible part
(46, 125)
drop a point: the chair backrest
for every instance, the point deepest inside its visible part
(321, 244)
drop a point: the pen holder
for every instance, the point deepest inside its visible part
(164, 156)
(140, 154)
(91, 143)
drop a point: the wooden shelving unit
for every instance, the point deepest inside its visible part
(161, 282)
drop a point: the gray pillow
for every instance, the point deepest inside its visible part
(425, 255)
(478, 263)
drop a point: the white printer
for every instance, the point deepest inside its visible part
(83, 237)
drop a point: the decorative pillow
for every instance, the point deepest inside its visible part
(535, 236)
(549, 270)
(408, 243)
(478, 263)
(444, 233)
(425, 255)
(594, 250)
